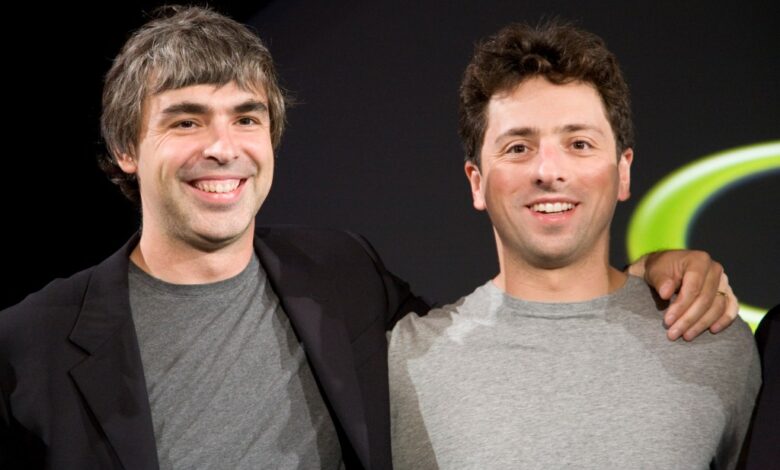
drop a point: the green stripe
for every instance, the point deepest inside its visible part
(663, 218)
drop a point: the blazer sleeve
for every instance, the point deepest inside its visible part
(400, 298)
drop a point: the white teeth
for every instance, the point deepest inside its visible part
(217, 186)
(552, 207)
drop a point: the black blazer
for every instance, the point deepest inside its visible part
(762, 444)
(72, 389)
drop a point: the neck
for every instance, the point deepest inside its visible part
(178, 262)
(584, 279)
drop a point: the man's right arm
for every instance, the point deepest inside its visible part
(400, 298)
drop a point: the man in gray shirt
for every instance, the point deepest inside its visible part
(558, 362)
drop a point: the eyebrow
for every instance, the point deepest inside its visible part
(250, 107)
(533, 131)
(188, 107)
(518, 132)
(569, 128)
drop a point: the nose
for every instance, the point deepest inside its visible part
(550, 166)
(222, 147)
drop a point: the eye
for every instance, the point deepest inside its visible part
(185, 124)
(517, 148)
(581, 145)
(247, 121)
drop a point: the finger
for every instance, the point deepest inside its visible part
(687, 323)
(667, 289)
(695, 288)
(666, 280)
(689, 290)
(708, 307)
(732, 307)
(716, 311)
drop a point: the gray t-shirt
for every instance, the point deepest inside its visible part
(493, 381)
(228, 381)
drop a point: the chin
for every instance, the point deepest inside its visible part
(550, 259)
(211, 240)
(550, 263)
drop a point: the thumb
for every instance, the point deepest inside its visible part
(665, 286)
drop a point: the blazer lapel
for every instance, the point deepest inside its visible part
(303, 294)
(111, 379)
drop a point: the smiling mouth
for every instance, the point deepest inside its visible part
(552, 207)
(218, 186)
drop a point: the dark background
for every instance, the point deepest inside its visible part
(372, 143)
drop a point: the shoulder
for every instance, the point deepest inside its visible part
(338, 270)
(646, 309)
(735, 345)
(723, 361)
(59, 295)
(768, 336)
(727, 362)
(68, 294)
(421, 329)
(305, 235)
(34, 333)
(50, 314)
(314, 243)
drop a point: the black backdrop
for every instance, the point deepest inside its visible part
(372, 143)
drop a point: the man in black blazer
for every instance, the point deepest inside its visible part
(761, 444)
(191, 115)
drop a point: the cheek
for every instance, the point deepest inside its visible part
(266, 156)
(603, 177)
(174, 155)
(158, 169)
(501, 184)
(261, 151)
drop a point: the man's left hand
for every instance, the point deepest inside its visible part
(704, 297)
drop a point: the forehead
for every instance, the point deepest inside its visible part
(539, 104)
(212, 96)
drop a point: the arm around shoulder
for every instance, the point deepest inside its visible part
(400, 298)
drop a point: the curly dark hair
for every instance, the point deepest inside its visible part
(180, 47)
(559, 52)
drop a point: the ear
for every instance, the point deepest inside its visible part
(624, 174)
(126, 162)
(475, 181)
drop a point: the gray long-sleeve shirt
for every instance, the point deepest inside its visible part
(493, 381)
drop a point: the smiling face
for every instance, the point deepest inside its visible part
(550, 176)
(204, 163)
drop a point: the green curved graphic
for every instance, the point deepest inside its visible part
(663, 218)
